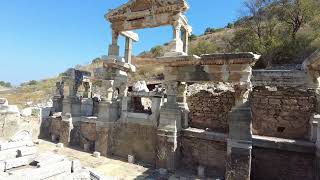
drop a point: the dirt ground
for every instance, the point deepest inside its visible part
(113, 169)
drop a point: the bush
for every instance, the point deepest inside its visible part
(202, 47)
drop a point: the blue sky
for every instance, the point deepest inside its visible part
(41, 38)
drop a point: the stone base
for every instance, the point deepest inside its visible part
(238, 164)
(103, 142)
(168, 150)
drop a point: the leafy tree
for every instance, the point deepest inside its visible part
(192, 37)
(32, 82)
(202, 47)
(296, 13)
(5, 84)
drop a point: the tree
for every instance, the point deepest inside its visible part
(192, 37)
(202, 47)
(296, 13)
(32, 82)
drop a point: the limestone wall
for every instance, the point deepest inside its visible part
(282, 112)
(208, 153)
(209, 109)
(134, 139)
(269, 164)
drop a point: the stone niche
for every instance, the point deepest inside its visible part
(272, 164)
(282, 112)
(209, 106)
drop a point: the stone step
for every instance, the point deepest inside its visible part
(25, 151)
(13, 145)
(46, 172)
(48, 159)
(18, 162)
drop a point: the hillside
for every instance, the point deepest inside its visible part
(37, 92)
(283, 32)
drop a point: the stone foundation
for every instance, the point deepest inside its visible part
(134, 139)
(207, 153)
(283, 112)
(271, 164)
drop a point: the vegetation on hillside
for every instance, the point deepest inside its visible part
(33, 91)
(282, 31)
(5, 84)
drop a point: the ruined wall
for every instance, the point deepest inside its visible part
(134, 139)
(269, 164)
(210, 154)
(210, 109)
(283, 113)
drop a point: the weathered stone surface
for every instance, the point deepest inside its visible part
(209, 108)
(8, 154)
(76, 166)
(13, 145)
(284, 113)
(269, 164)
(134, 139)
(26, 151)
(17, 162)
(47, 159)
(45, 172)
(207, 153)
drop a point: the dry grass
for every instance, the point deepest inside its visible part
(39, 93)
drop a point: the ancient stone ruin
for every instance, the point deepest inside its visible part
(212, 115)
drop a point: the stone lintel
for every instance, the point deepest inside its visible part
(284, 144)
(280, 78)
(131, 35)
(114, 63)
(146, 94)
(203, 134)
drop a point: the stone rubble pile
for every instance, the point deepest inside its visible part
(19, 160)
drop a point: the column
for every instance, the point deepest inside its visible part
(169, 130)
(239, 143)
(182, 103)
(107, 115)
(128, 50)
(114, 48)
(185, 39)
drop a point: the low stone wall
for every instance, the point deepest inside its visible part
(210, 109)
(196, 151)
(282, 112)
(134, 139)
(270, 164)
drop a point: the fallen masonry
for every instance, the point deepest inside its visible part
(20, 160)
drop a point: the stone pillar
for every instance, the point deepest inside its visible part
(185, 39)
(239, 143)
(71, 105)
(169, 130)
(66, 128)
(182, 103)
(128, 50)
(114, 48)
(176, 46)
(108, 114)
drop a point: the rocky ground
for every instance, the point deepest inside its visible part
(115, 168)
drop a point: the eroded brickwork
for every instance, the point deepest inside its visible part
(269, 164)
(207, 153)
(209, 110)
(283, 113)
